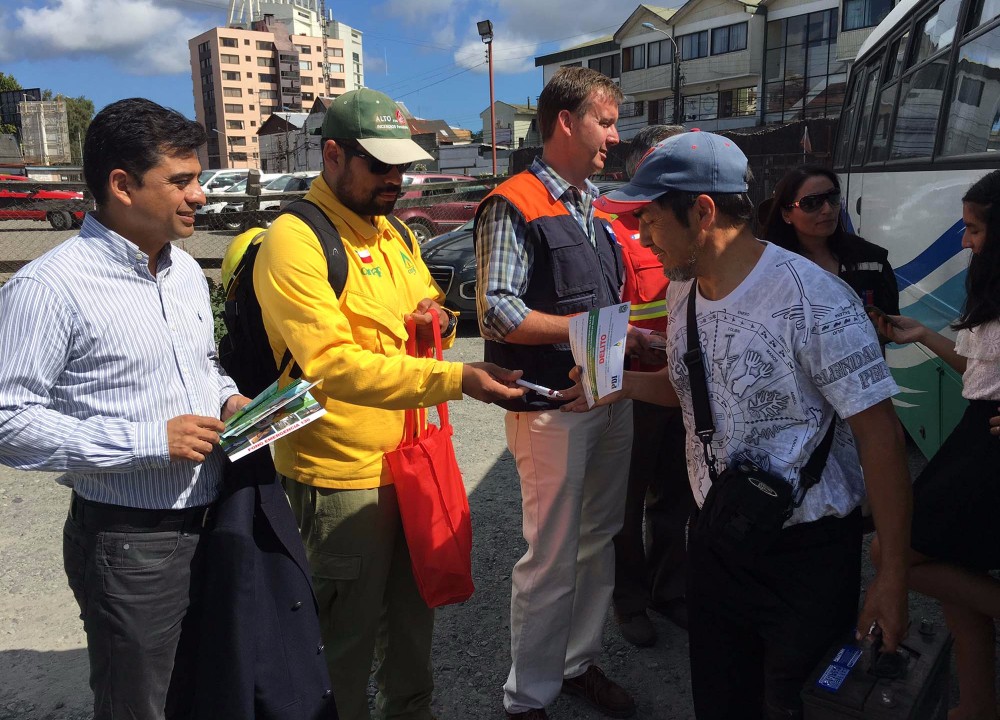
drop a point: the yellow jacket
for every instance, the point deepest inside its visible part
(355, 344)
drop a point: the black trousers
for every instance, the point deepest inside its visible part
(650, 570)
(139, 592)
(757, 629)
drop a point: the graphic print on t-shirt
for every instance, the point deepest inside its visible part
(782, 348)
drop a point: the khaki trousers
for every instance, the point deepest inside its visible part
(369, 605)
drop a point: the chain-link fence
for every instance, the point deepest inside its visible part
(37, 216)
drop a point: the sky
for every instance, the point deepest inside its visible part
(425, 53)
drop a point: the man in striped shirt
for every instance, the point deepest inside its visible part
(110, 377)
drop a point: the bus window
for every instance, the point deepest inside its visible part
(897, 55)
(919, 107)
(934, 32)
(880, 136)
(974, 118)
(981, 13)
(847, 123)
(867, 110)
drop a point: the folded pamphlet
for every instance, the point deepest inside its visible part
(597, 339)
(272, 414)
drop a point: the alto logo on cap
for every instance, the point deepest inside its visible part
(399, 117)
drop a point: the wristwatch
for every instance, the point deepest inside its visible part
(452, 321)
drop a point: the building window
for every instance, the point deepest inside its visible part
(230, 108)
(610, 65)
(660, 52)
(337, 67)
(740, 102)
(694, 46)
(338, 52)
(238, 156)
(268, 94)
(356, 57)
(335, 83)
(731, 38)
(305, 65)
(229, 42)
(237, 140)
(265, 45)
(203, 47)
(234, 124)
(306, 80)
(631, 109)
(865, 13)
(267, 78)
(634, 58)
(265, 62)
(267, 109)
(304, 49)
(229, 59)
(230, 75)
(253, 123)
(307, 96)
(802, 75)
(232, 92)
(249, 75)
(701, 107)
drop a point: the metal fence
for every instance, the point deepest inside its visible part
(37, 216)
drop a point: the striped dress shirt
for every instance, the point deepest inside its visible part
(98, 353)
(504, 259)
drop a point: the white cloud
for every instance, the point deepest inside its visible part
(141, 36)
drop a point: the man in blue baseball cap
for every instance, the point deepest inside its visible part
(788, 356)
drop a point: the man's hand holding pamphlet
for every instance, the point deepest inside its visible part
(270, 415)
(597, 339)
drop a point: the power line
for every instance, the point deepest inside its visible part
(442, 80)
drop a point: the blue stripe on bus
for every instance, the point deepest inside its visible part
(939, 309)
(932, 258)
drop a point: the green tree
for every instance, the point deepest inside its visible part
(79, 113)
(8, 82)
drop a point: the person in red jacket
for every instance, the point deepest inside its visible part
(649, 572)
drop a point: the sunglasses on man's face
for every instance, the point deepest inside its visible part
(376, 166)
(812, 203)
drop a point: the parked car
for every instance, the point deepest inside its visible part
(16, 204)
(210, 214)
(267, 210)
(218, 180)
(451, 258)
(434, 218)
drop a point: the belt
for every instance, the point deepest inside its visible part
(101, 517)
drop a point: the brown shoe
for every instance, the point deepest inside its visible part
(534, 714)
(603, 694)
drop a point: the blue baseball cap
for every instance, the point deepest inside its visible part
(695, 161)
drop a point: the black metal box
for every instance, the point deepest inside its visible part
(846, 685)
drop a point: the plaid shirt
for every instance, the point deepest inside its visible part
(504, 259)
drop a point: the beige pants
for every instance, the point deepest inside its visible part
(574, 472)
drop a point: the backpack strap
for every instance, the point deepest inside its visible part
(404, 232)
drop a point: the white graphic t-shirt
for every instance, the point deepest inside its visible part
(783, 352)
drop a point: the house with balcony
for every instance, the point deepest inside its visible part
(516, 125)
(729, 64)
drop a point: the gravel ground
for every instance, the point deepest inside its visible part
(43, 663)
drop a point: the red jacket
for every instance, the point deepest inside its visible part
(645, 283)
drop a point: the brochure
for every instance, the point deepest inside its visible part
(269, 416)
(597, 339)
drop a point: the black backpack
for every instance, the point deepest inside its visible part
(244, 351)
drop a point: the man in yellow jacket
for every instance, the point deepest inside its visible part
(337, 480)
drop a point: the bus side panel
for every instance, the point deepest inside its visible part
(916, 216)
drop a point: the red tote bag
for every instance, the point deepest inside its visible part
(432, 501)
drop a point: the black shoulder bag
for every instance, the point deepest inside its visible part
(746, 507)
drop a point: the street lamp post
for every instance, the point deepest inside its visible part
(677, 70)
(229, 141)
(485, 28)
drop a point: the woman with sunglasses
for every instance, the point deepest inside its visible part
(804, 217)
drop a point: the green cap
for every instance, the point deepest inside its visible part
(376, 123)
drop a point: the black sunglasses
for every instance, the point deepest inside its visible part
(812, 203)
(376, 166)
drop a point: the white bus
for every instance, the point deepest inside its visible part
(920, 124)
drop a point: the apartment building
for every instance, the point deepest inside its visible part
(274, 62)
(742, 63)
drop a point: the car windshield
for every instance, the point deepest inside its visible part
(279, 183)
(205, 176)
(239, 187)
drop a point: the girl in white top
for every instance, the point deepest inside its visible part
(956, 500)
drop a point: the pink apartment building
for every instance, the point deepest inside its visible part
(240, 76)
